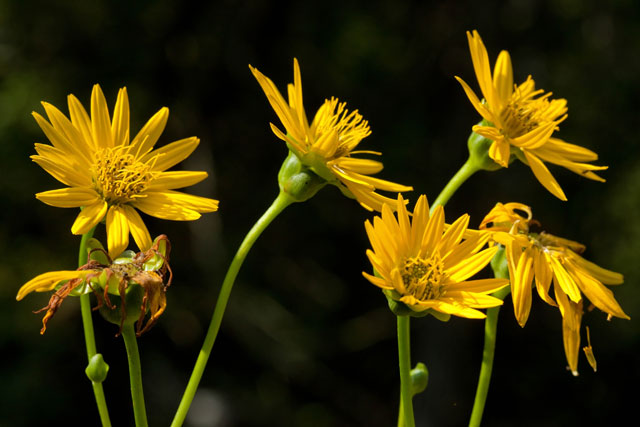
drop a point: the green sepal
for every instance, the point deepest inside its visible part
(298, 181)
(479, 150)
(97, 369)
(125, 257)
(419, 378)
(133, 301)
(97, 252)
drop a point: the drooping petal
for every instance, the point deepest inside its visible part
(521, 286)
(89, 217)
(47, 281)
(137, 228)
(117, 231)
(544, 176)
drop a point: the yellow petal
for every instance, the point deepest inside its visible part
(478, 286)
(117, 231)
(571, 319)
(80, 120)
(171, 154)
(454, 234)
(381, 283)
(160, 207)
(176, 179)
(500, 152)
(470, 266)
(360, 166)
(543, 276)
(565, 280)
(89, 217)
(607, 277)
(47, 281)
(481, 66)
(62, 172)
(150, 132)
(100, 121)
(544, 176)
(480, 108)
(120, 125)
(77, 141)
(596, 292)
(521, 286)
(473, 299)
(72, 197)
(433, 233)
(503, 78)
(137, 228)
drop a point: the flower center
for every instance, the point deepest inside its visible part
(524, 112)
(118, 176)
(423, 277)
(349, 127)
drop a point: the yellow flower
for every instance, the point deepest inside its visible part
(327, 144)
(548, 258)
(425, 267)
(522, 119)
(110, 175)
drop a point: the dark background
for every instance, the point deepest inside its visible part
(306, 340)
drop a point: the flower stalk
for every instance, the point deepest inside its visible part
(89, 336)
(135, 375)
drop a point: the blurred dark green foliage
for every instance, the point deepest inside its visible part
(306, 340)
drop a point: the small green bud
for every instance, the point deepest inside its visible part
(97, 368)
(479, 150)
(297, 181)
(419, 378)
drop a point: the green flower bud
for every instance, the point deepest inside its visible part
(298, 181)
(97, 368)
(419, 378)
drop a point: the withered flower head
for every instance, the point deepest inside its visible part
(139, 279)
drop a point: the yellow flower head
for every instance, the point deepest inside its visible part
(522, 119)
(426, 267)
(145, 271)
(546, 258)
(110, 175)
(327, 144)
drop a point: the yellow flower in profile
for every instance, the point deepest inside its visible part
(110, 175)
(327, 144)
(548, 258)
(522, 119)
(425, 267)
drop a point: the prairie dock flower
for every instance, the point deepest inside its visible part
(548, 258)
(424, 267)
(110, 175)
(326, 145)
(521, 120)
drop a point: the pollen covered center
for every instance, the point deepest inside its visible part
(348, 127)
(118, 177)
(524, 112)
(423, 277)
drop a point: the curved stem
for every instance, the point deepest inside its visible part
(278, 205)
(467, 169)
(89, 337)
(404, 359)
(135, 375)
(490, 331)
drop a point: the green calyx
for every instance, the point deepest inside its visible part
(401, 309)
(479, 150)
(132, 303)
(97, 368)
(500, 267)
(297, 180)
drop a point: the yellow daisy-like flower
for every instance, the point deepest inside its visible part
(548, 258)
(327, 144)
(110, 175)
(522, 120)
(426, 267)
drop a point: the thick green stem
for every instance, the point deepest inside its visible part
(468, 169)
(278, 205)
(135, 375)
(89, 337)
(404, 359)
(490, 331)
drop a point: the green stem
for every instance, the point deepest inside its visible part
(135, 375)
(490, 331)
(467, 169)
(278, 205)
(89, 337)
(404, 359)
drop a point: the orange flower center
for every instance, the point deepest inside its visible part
(423, 277)
(118, 176)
